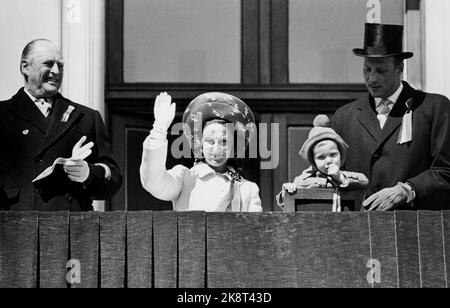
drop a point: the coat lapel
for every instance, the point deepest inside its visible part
(24, 108)
(395, 117)
(58, 127)
(368, 119)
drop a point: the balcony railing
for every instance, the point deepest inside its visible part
(197, 249)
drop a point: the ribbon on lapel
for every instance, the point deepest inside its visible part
(236, 190)
(67, 113)
(236, 201)
(405, 134)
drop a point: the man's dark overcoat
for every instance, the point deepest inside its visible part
(31, 143)
(424, 162)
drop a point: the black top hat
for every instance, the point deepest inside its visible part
(382, 41)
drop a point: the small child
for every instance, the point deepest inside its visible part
(214, 183)
(325, 150)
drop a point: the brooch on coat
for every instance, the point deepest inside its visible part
(236, 177)
(65, 117)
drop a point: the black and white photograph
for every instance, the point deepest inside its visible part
(227, 151)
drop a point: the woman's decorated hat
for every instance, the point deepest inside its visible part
(217, 106)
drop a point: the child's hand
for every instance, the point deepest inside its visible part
(290, 187)
(164, 111)
(334, 172)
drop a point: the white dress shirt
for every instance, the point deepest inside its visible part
(44, 104)
(384, 106)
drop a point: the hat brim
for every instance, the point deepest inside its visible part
(363, 53)
(306, 150)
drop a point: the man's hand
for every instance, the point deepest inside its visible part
(164, 111)
(77, 170)
(388, 198)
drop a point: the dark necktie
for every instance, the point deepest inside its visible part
(44, 106)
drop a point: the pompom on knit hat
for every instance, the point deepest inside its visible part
(321, 131)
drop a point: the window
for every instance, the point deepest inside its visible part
(179, 41)
(322, 34)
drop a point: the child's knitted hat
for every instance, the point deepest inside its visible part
(322, 131)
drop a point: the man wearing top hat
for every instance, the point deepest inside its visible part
(399, 137)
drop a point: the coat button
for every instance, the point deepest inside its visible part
(69, 197)
(376, 157)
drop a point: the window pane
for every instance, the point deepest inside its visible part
(322, 34)
(182, 41)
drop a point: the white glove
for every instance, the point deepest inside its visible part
(76, 167)
(77, 170)
(81, 152)
(290, 187)
(388, 198)
(164, 112)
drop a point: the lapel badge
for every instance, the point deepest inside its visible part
(25, 132)
(66, 115)
(235, 177)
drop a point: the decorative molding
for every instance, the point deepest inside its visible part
(138, 98)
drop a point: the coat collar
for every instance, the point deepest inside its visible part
(202, 170)
(367, 116)
(23, 107)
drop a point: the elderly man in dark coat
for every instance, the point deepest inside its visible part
(39, 125)
(399, 137)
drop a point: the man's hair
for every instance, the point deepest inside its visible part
(28, 49)
(398, 60)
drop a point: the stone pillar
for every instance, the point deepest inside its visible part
(83, 48)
